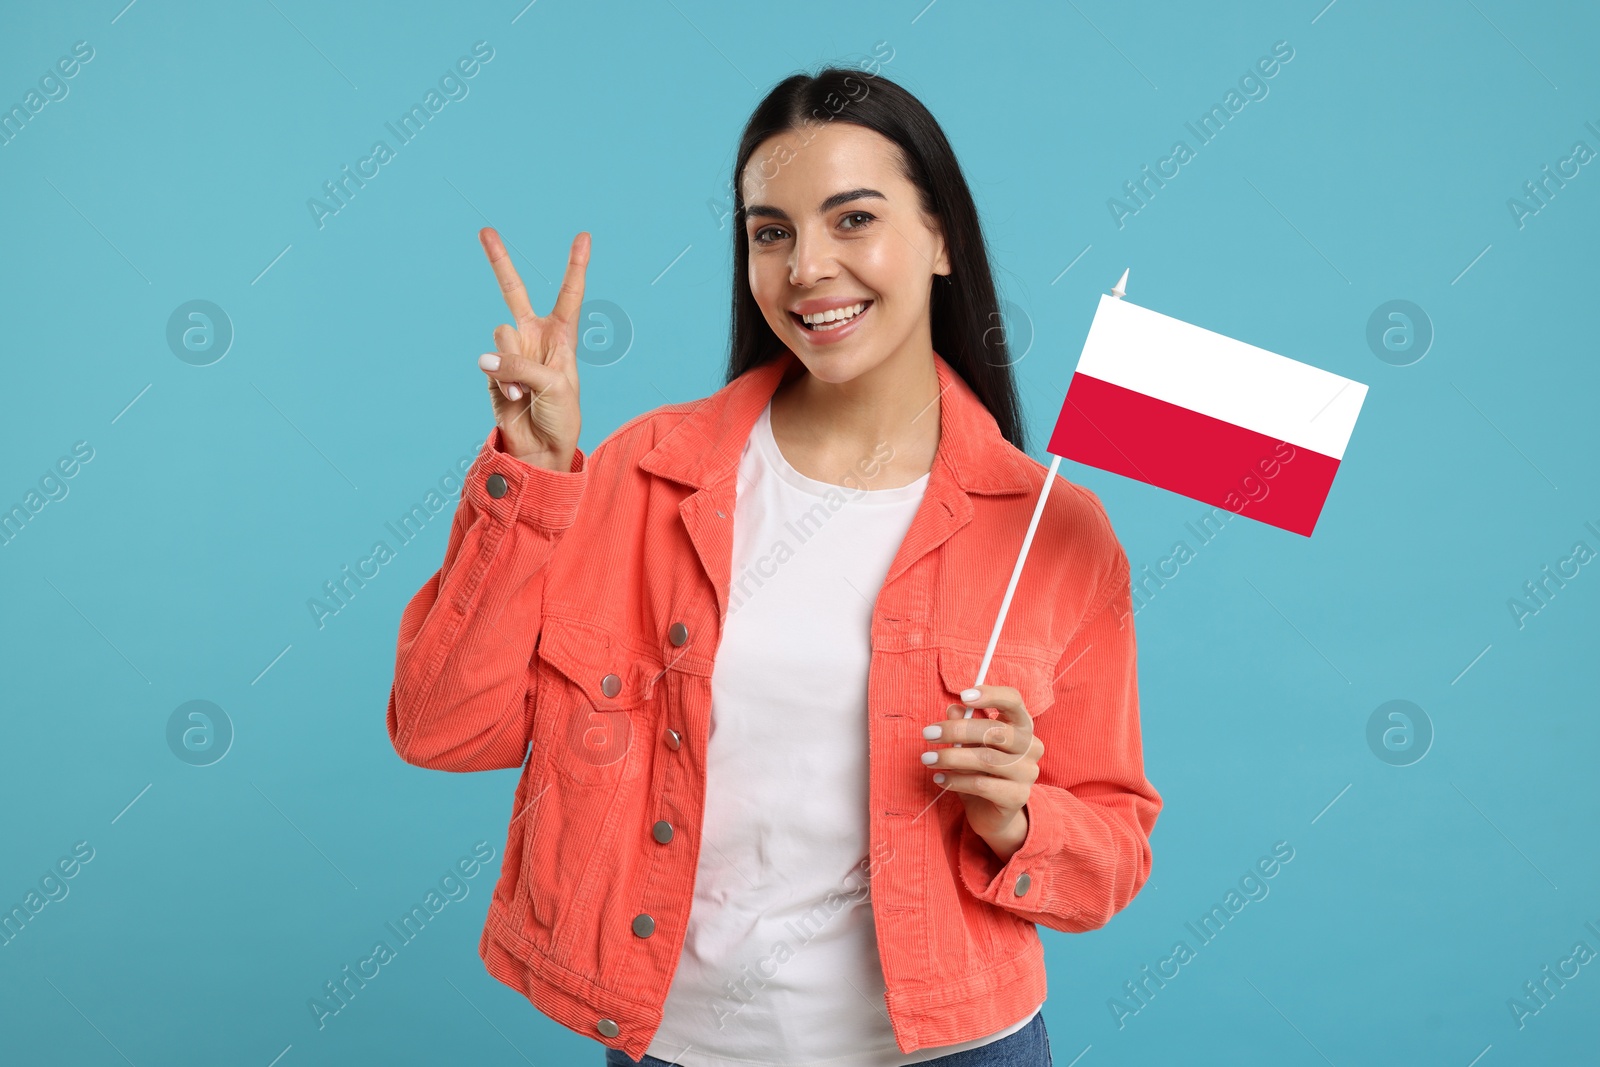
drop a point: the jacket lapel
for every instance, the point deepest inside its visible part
(703, 450)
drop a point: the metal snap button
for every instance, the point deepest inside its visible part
(611, 685)
(662, 831)
(1023, 881)
(643, 925)
(608, 1028)
(496, 484)
(672, 739)
(678, 633)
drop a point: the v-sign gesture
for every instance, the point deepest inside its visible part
(533, 377)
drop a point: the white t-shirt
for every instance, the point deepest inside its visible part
(770, 973)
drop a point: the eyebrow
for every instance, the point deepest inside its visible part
(837, 199)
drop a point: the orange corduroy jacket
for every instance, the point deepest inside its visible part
(572, 629)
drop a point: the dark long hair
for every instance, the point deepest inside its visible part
(967, 329)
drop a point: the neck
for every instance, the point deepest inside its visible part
(824, 427)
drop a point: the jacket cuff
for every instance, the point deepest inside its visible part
(1020, 883)
(508, 489)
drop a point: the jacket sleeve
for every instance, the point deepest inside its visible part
(464, 666)
(1091, 810)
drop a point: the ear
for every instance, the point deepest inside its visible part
(941, 260)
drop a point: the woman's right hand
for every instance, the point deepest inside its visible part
(533, 375)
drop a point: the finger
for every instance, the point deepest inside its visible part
(1001, 792)
(570, 299)
(982, 759)
(978, 730)
(1005, 699)
(511, 288)
(509, 390)
(529, 374)
(508, 342)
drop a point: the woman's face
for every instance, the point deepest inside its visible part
(831, 223)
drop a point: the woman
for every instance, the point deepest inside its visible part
(753, 824)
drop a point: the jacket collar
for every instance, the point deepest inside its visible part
(703, 449)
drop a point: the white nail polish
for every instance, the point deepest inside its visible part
(514, 391)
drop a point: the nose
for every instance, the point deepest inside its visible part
(811, 261)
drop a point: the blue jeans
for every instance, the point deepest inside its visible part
(1028, 1047)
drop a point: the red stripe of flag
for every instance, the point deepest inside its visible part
(1187, 452)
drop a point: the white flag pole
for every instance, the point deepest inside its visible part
(1119, 290)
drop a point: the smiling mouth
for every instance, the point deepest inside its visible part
(825, 327)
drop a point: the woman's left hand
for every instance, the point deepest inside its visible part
(996, 766)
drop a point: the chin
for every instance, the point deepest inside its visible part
(832, 367)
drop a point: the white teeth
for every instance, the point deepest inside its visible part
(835, 315)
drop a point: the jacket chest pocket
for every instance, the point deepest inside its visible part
(593, 699)
(1029, 671)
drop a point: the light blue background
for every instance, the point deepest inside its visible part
(1420, 898)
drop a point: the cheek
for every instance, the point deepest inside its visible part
(872, 270)
(895, 270)
(766, 276)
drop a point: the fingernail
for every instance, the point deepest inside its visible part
(939, 778)
(514, 391)
(930, 757)
(969, 695)
(489, 361)
(932, 732)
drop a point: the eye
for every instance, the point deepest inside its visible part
(761, 236)
(858, 215)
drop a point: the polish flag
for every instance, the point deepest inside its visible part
(1176, 406)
